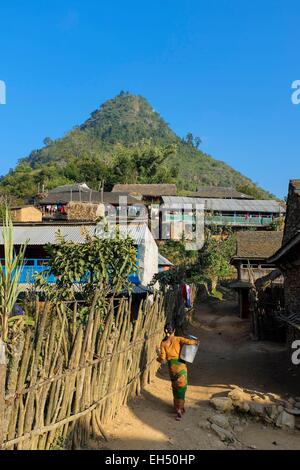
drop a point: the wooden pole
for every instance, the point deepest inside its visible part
(2, 391)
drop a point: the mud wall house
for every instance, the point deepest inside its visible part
(287, 258)
(253, 248)
(39, 235)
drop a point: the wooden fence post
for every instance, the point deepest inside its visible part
(2, 391)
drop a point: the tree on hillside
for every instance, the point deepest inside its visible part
(142, 163)
(193, 141)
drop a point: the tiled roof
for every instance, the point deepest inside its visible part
(147, 189)
(221, 193)
(258, 244)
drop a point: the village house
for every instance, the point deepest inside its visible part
(172, 216)
(234, 213)
(39, 235)
(253, 248)
(287, 259)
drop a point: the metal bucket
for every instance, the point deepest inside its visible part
(188, 351)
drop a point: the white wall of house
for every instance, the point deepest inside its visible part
(148, 258)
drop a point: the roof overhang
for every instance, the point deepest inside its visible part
(284, 250)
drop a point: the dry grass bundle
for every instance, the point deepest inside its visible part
(84, 211)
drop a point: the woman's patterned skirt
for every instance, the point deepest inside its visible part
(178, 375)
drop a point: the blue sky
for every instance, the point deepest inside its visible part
(221, 69)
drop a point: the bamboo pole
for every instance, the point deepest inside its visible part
(2, 391)
(59, 424)
(84, 374)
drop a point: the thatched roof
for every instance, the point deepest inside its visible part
(154, 190)
(258, 244)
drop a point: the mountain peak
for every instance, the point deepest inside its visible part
(89, 152)
(128, 118)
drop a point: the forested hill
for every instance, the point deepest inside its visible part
(124, 141)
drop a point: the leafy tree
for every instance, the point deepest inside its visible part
(189, 139)
(98, 264)
(197, 142)
(215, 256)
(47, 141)
(141, 163)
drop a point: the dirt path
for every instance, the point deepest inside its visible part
(227, 356)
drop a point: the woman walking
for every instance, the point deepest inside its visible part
(170, 352)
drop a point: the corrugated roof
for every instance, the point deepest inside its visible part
(230, 205)
(136, 231)
(134, 289)
(162, 261)
(257, 244)
(147, 189)
(43, 234)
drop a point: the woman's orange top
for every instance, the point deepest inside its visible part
(172, 351)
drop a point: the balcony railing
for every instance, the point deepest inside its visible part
(238, 220)
(221, 220)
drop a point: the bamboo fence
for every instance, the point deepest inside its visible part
(62, 380)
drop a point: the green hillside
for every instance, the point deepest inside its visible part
(124, 141)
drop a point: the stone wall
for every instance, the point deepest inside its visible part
(292, 290)
(292, 225)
